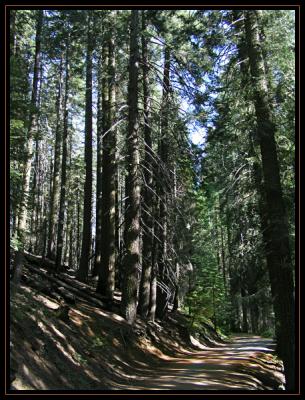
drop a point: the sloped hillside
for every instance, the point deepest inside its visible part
(56, 345)
(62, 341)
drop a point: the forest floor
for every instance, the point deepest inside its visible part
(82, 346)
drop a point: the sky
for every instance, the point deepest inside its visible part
(197, 134)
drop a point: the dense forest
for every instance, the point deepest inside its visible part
(152, 158)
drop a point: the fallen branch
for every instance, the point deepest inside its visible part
(82, 288)
(78, 293)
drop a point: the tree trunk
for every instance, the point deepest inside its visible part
(34, 193)
(216, 237)
(176, 301)
(117, 224)
(257, 177)
(144, 293)
(62, 205)
(44, 228)
(244, 308)
(82, 273)
(106, 283)
(71, 237)
(54, 198)
(23, 211)
(223, 259)
(163, 290)
(13, 36)
(17, 271)
(37, 187)
(70, 223)
(132, 227)
(277, 248)
(153, 290)
(254, 315)
(101, 128)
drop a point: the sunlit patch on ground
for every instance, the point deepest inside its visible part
(94, 349)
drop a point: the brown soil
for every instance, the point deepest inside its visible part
(85, 347)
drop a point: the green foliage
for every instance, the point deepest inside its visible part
(15, 174)
(80, 359)
(214, 213)
(199, 304)
(99, 342)
(268, 333)
(15, 243)
(15, 126)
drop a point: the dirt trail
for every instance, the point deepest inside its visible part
(93, 349)
(243, 364)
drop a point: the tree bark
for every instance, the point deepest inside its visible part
(223, 259)
(62, 201)
(132, 227)
(144, 293)
(82, 273)
(244, 308)
(54, 198)
(23, 212)
(163, 289)
(13, 36)
(254, 316)
(277, 247)
(103, 111)
(106, 283)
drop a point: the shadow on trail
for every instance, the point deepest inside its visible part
(241, 365)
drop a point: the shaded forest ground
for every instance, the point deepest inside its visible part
(80, 345)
